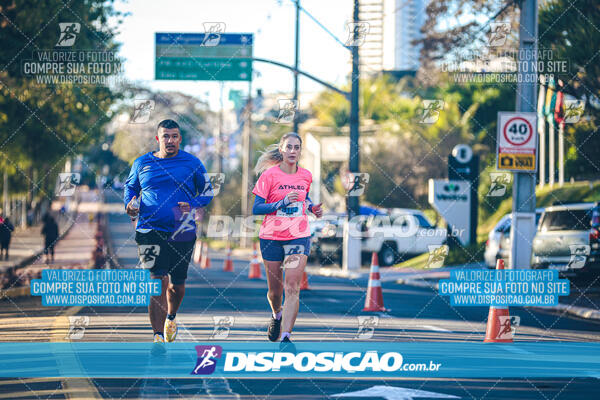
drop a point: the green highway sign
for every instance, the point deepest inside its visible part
(203, 56)
(188, 50)
(205, 69)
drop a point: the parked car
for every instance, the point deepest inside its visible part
(316, 229)
(328, 243)
(498, 244)
(492, 244)
(567, 240)
(402, 233)
(409, 234)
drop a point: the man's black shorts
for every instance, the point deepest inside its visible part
(162, 256)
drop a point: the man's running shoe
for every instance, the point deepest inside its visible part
(170, 330)
(274, 329)
(158, 338)
(287, 345)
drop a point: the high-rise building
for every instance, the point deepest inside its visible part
(393, 25)
(409, 16)
(371, 51)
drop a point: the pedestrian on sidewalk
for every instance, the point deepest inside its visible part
(163, 190)
(282, 196)
(50, 233)
(6, 230)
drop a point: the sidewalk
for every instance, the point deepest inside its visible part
(26, 244)
(74, 250)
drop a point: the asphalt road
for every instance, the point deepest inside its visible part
(329, 311)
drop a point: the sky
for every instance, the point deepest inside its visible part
(273, 25)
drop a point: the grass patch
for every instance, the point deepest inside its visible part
(417, 262)
(465, 254)
(578, 192)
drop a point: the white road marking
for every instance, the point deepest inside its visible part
(395, 393)
(435, 328)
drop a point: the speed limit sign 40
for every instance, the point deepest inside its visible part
(517, 141)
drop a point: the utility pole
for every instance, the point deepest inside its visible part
(352, 252)
(246, 143)
(523, 206)
(5, 200)
(542, 131)
(220, 147)
(296, 64)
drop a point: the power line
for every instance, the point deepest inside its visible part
(319, 23)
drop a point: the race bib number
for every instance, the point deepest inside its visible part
(291, 210)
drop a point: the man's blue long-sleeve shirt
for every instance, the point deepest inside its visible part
(163, 182)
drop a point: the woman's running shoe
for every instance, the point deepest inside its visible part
(274, 329)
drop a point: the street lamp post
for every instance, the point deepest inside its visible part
(351, 251)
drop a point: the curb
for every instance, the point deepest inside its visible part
(418, 283)
(581, 312)
(14, 292)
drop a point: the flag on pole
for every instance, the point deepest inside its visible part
(541, 98)
(550, 100)
(559, 113)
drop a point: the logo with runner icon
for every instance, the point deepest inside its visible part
(207, 359)
(148, 254)
(67, 183)
(579, 255)
(508, 326)
(287, 111)
(212, 183)
(292, 253)
(185, 226)
(142, 108)
(355, 183)
(499, 181)
(499, 32)
(366, 326)
(223, 324)
(573, 110)
(437, 255)
(77, 325)
(431, 111)
(68, 33)
(212, 33)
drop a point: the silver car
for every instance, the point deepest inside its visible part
(498, 244)
(492, 245)
(567, 239)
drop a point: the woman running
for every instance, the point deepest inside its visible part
(282, 194)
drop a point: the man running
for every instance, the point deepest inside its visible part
(282, 194)
(171, 183)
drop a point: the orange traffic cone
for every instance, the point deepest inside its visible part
(304, 283)
(205, 262)
(228, 266)
(198, 251)
(254, 272)
(374, 299)
(498, 324)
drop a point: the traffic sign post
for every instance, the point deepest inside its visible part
(516, 144)
(516, 150)
(523, 207)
